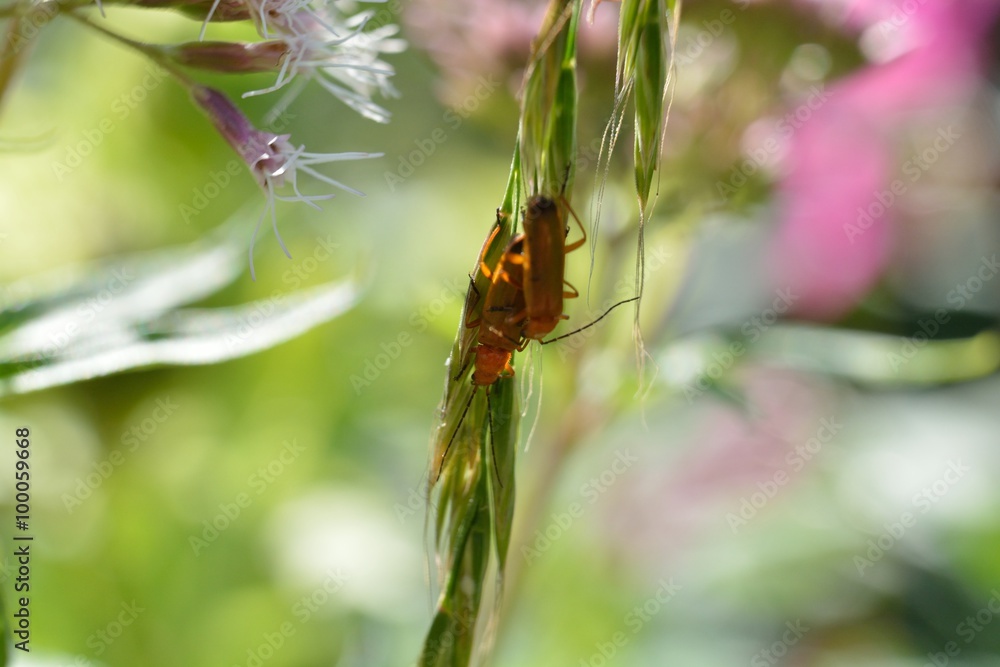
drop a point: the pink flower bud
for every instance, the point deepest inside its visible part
(230, 57)
(218, 11)
(273, 161)
(261, 151)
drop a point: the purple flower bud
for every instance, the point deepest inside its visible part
(261, 151)
(230, 57)
(213, 10)
(271, 158)
(220, 11)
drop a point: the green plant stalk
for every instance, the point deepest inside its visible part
(451, 636)
(512, 195)
(504, 421)
(16, 46)
(152, 51)
(468, 500)
(651, 76)
(476, 486)
(547, 131)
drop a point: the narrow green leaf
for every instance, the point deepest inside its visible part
(505, 419)
(651, 62)
(451, 638)
(547, 130)
(512, 195)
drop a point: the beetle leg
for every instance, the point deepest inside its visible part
(575, 244)
(470, 304)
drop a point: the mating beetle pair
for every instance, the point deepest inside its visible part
(524, 300)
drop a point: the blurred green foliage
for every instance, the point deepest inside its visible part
(610, 563)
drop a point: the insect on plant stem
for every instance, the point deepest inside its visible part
(504, 322)
(544, 262)
(499, 335)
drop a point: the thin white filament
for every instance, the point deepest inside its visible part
(204, 24)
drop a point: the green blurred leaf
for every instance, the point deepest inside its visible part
(5, 637)
(124, 314)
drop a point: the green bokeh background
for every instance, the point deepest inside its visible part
(348, 506)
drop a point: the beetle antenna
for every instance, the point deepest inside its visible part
(587, 326)
(461, 419)
(493, 442)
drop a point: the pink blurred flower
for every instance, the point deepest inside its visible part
(470, 38)
(732, 454)
(837, 223)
